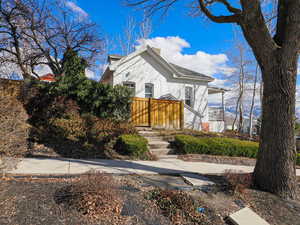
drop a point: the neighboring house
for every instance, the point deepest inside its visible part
(48, 77)
(149, 75)
(229, 120)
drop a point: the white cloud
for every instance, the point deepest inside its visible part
(219, 83)
(202, 62)
(75, 8)
(90, 74)
(42, 70)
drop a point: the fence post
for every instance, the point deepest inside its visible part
(182, 115)
(150, 112)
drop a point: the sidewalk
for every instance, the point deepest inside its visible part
(62, 166)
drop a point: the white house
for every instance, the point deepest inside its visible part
(149, 75)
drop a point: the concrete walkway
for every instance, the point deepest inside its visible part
(62, 166)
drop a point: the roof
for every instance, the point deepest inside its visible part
(49, 77)
(116, 56)
(178, 72)
(216, 90)
(188, 72)
(112, 58)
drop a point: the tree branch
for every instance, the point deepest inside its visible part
(235, 18)
(229, 7)
(256, 31)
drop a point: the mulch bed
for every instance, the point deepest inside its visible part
(33, 201)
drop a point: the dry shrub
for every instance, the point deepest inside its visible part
(109, 128)
(72, 127)
(14, 129)
(10, 88)
(180, 207)
(96, 196)
(238, 182)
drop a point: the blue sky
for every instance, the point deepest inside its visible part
(209, 37)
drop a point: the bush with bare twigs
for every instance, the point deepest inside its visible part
(181, 208)
(238, 182)
(96, 196)
(14, 128)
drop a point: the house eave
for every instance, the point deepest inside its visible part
(175, 73)
(216, 90)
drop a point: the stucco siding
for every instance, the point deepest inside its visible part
(144, 69)
(192, 120)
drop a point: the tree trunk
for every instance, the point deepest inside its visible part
(275, 170)
(241, 118)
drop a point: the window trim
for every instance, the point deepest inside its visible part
(191, 97)
(127, 83)
(152, 88)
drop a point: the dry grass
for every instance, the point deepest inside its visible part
(14, 129)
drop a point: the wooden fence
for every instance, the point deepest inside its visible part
(157, 113)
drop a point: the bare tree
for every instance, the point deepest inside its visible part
(14, 47)
(250, 132)
(277, 56)
(57, 30)
(34, 33)
(132, 32)
(128, 37)
(241, 60)
(241, 73)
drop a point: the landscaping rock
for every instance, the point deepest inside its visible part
(246, 216)
(196, 180)
(165, 182)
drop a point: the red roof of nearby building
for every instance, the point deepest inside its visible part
(48, 77)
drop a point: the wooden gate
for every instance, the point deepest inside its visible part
(157, 113)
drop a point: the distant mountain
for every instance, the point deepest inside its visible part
(231, 110)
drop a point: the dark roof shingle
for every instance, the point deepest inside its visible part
(188, 72)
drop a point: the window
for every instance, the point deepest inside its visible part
(131, 86)
(149, 93)
(189, 96)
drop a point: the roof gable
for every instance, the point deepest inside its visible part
(178, 72)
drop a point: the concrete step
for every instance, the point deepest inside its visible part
(155, 138)
(158, 144)
(170, 156)
(149, 133)
(143, 128)
(168, 138)
(162, 151)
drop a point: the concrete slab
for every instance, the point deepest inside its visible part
(246, 216)
(42, 166)
(197, 180)
(52, 166)
(165, 182)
